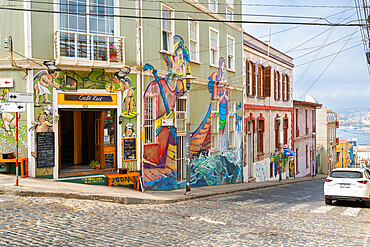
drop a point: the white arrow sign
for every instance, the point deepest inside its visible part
(12, 107)
(6, 82)
(20, 97)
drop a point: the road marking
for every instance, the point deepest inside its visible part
(302, 198)
(298, 207)
(351, 211)
(207, 220)
(248, 202)
(322, 210)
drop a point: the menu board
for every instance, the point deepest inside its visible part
(45, 149)
(109, 160)
(129, 149)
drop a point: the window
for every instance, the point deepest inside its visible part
(296, 123)
(259, 80)
(287, 87)
(229, 13)
(212, 5)
(307, 156)
(313, 117)
(149, 119)
(277, 85)
(214, 132)
(284, 87)
(232, 112)
(286, 127)
(267, 82)
(181, 116)
(230, 53)
(248, 77)
(306, 121)
(260, 130)
(254, 79)
(167, 29)
(214, 125)
(181, 158)
(89, 24)
(277, 146)
(213, 46)
(194, 40)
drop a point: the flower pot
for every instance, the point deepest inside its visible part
(113, 57)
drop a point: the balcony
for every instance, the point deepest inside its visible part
(92, 50)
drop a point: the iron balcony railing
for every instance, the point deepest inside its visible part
(76, 48)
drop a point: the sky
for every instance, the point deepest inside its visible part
(339, 82)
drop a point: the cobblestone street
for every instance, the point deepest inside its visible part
(292, 215)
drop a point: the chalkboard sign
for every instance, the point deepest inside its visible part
(129, 149)
(45, 149)
(109, 160)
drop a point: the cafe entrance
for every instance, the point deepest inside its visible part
(87, 141)
(87, 133)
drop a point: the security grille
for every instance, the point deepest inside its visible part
(149, 119)
(181, 116)
(181, 158)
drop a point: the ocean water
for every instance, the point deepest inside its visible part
(362, 136)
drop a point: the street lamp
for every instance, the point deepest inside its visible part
(342, 157)
(331, 155)
(313, 153)
(279, 119)
(188, 80)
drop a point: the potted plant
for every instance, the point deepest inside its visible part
(94, 164)
(113, 53)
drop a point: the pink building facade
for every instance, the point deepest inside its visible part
(304, 114)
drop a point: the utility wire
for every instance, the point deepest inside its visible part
(342, 49)
(159, 10)
(185, 19)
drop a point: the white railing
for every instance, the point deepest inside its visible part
(76, 48)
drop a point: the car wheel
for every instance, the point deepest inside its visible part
(328, 201)
(367, 204)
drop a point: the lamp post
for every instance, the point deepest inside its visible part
(331, 155)
(313, 153)
(188, 79)
(279, 144)
(342, 157)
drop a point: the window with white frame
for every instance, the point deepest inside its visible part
(212, 5)
(149, 119)
(213, 46)
(232, 112)
(77, 20)
(230, 53)
(167, 28)
(229, 13)
(194, 40)
(214, 125)
(181, 116)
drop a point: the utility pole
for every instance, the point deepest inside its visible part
(188, 79)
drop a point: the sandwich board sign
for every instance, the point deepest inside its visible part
(12, 107)
(20, 97)
(6, 82)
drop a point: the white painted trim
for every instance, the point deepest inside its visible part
(217, 46)
(30, 134)
(56, 134)
(56, 16)
(170, 48)
(197, 55)
(116, 19)
(227, 52)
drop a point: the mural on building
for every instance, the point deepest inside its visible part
(127, 89)
(261, 170)
(160, 158)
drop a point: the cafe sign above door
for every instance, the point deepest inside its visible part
(87, 99)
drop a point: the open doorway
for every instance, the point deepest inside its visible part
(85, 136)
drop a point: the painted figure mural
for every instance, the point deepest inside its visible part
(160, 156)
(46, 79)
(126, 87)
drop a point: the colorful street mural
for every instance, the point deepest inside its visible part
(160, 158)
(261, 170)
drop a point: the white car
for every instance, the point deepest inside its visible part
(350, 184)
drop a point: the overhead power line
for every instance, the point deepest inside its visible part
(185, 19)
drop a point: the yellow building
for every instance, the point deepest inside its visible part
(342, 150)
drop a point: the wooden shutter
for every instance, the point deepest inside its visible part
(287, 87)
(254, 79)
(247, 77)
(259, 80)
(267, 82)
